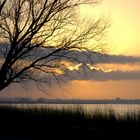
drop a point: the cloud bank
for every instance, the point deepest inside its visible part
(86, 73)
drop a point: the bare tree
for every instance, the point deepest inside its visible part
(2, 3)
(39, 37)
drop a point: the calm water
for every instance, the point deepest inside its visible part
(119, 109)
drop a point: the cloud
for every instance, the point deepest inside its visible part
(91, 58)
(95, 58)
(73, 56)
(86, 73)
(81, 72)
(120, 59)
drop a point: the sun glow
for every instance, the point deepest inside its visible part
(123, 35)
(96, 67)
(75, 67)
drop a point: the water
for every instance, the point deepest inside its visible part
(119, 109)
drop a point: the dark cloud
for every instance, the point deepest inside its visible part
(120, 59)
(85, 73)
(91, 57)
(73, 56)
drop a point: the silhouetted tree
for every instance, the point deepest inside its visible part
(2, 3)
(38, 38)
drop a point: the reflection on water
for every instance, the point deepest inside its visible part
(119, 109)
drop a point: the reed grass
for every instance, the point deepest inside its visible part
(72, 121)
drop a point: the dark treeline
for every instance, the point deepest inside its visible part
(27, 100)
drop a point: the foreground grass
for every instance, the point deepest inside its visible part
(44, 123)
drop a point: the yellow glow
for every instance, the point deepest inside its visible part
(75, 67)
(124, 33)
(100, 68)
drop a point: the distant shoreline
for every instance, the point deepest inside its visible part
(61, 101)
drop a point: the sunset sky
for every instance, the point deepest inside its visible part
(116, 76)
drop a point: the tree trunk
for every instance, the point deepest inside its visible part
(3, 80)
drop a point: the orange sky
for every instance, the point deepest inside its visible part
(84, 90)
(124, 38)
